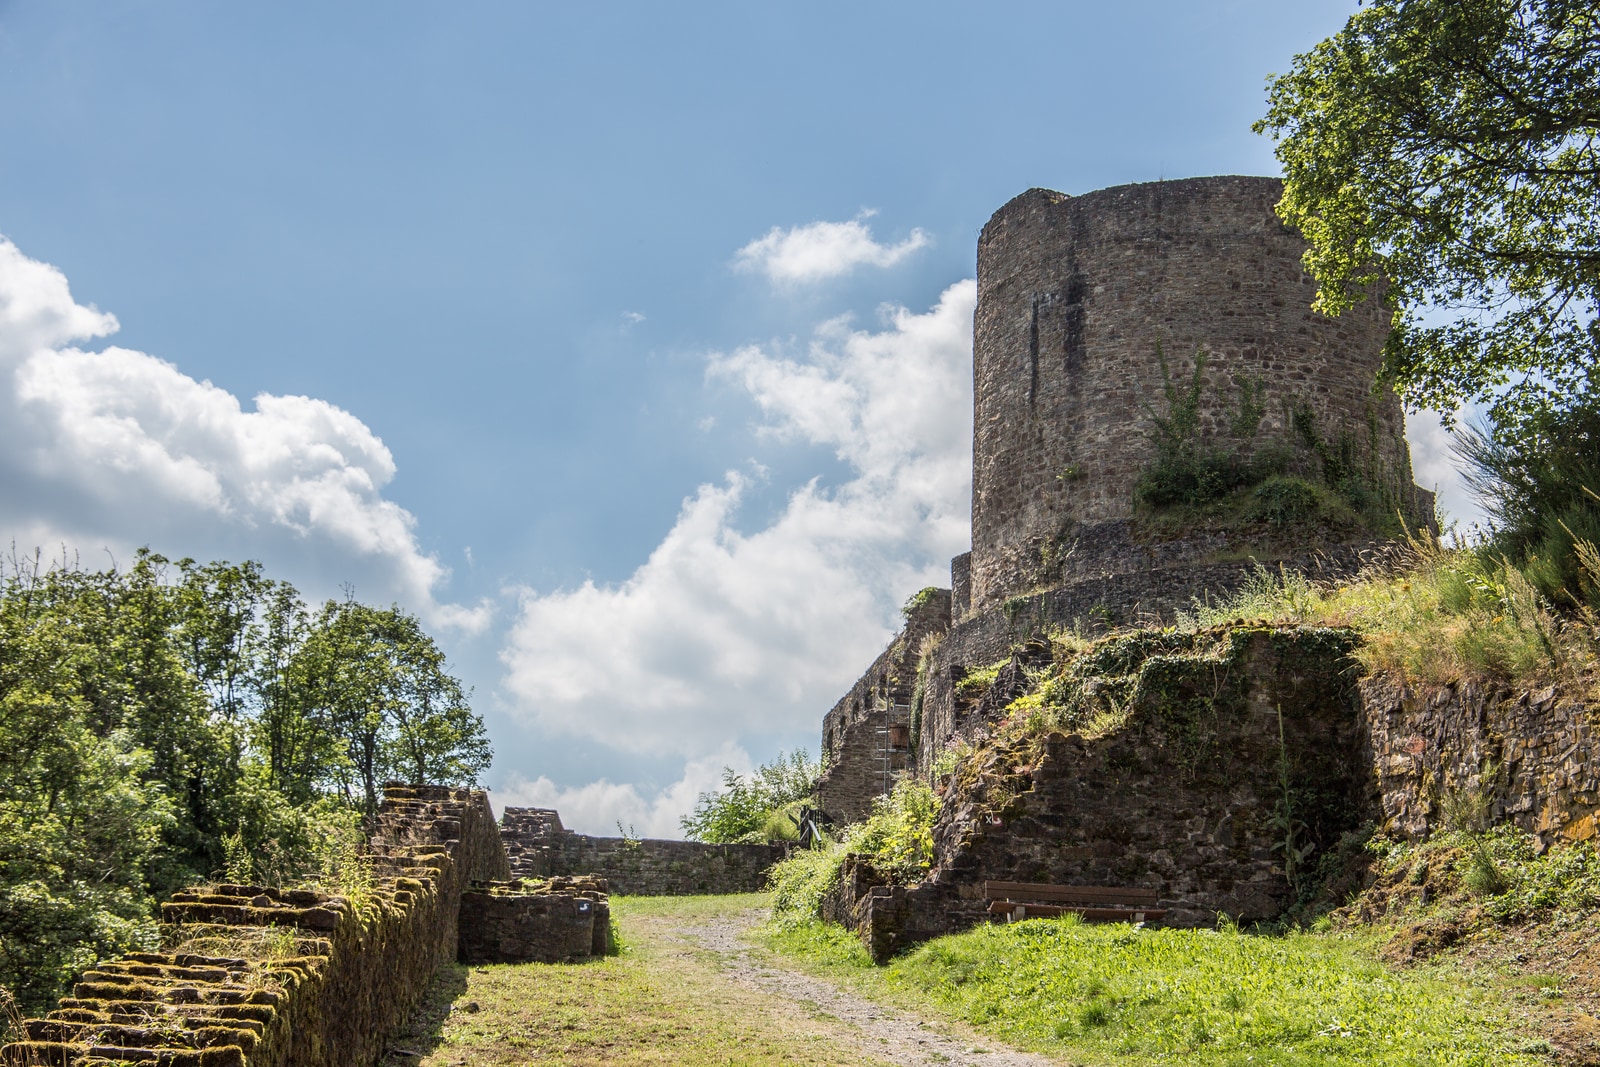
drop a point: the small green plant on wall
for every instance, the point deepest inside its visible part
(1236, 479)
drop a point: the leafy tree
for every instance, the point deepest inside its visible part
(376, 683)
(161, 725)
(1443, 153)
(754, 808)
(81, 815)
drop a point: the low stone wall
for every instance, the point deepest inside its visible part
(541, 848)
(269, 978)
(1529, 758)
(564, 920)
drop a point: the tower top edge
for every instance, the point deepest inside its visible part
(1040, 198)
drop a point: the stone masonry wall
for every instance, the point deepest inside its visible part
(1075, 293)
(541, 848)
(252, 975)
(564, 920)
(858, 748)
(1121, 598)
(1181, 799)
(1534, 758)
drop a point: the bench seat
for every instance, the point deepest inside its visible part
(1022, 900)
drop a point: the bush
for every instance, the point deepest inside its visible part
(1286, 501)
(800, 883)
(754, 809)
(897, 839)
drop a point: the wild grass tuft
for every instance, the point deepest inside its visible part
(1438, 615)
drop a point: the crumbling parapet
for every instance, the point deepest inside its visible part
(870, 734)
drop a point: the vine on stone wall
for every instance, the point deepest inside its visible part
(1234, 479)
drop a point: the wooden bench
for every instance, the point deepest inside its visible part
(1022, 900)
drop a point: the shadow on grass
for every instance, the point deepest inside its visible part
(422, 1033)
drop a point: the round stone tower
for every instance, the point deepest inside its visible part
(1079, 300)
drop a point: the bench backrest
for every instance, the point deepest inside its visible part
(1045, 893)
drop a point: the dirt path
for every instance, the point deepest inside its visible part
(900, 1038)
(688, 990)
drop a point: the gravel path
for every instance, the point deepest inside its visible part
(881, 1031)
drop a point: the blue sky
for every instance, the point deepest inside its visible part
(628, 345)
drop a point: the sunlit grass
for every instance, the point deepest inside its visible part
(1437, 615)
(1124, 995)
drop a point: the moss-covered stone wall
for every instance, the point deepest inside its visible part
(258, 976)
(1192, 767)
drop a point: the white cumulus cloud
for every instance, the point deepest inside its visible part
(726, 633)
(598, 807)
(116, 447)
(1437, 468)
(822, 250)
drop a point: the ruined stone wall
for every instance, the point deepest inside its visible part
(253, 975)
(1532, 758)
(541, 848)
(1182, 798)
(1149, 596)
(860, 747)
(1074, 294)
(564, 920)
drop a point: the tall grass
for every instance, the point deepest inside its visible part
(1438, 614)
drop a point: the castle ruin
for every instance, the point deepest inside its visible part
(1109, 327)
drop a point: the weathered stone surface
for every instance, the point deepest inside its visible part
(540, 847)
(561, 921)
(1075, 294)
(1532, 758)
(856, 743)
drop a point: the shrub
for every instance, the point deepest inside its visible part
(750, 809)
(897, 839)
(800, 883)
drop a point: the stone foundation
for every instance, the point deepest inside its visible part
(565, 920)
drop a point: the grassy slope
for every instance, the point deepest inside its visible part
(1116, 995)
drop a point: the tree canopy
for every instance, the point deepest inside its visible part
(1443, 153)
(173, 722)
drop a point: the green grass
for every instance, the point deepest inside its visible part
(1197, 997)
(661, 1001)
(1437, 616)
